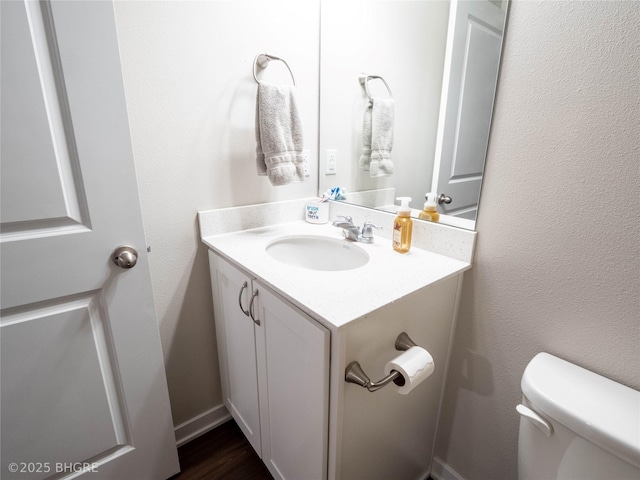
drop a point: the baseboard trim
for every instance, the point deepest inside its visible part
(201, 424)
(442, 471)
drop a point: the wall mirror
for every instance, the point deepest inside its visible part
(440, 61)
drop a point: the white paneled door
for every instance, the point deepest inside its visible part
(471, 73)
(83, 387)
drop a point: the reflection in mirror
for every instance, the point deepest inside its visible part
(440, 59)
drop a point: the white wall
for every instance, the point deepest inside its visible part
(187, 70)
(404, 42)
(557, 266)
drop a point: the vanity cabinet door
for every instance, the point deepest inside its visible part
(293, 376)
(274, 367)
(235, 331)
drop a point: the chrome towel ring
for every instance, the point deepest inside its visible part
(364, 81)
(262, 60)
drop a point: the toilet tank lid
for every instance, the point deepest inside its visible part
(598, 409)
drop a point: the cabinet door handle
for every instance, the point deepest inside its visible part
(253, 297)
(244, 285)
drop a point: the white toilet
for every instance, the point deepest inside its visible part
(576, 425)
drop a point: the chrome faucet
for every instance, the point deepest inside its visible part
(352, 232)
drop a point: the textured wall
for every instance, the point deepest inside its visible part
(187, 69)
(557, 259)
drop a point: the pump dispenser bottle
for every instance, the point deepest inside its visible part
(430, 210)
(403, 226)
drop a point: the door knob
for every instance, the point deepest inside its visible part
(444, 199)
(125, 256)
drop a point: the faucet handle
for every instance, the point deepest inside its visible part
(340, 219)
(367, 232)
(368, 226)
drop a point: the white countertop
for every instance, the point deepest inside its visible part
(335, 298)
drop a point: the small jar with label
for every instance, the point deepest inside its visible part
(316, 212)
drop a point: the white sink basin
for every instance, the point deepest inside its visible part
(318, 253)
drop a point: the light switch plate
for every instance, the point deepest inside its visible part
(305, 156)
(330, 163)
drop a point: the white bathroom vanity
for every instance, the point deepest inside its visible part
(286, 334)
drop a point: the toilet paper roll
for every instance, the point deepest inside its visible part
(415, 365)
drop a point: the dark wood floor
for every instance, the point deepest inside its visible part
(223, 453)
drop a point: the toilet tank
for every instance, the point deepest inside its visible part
(576, 424)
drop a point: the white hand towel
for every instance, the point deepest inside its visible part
(382, 116)
(279, 136)
(365, 158)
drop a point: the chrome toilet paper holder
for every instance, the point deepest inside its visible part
(355, 374)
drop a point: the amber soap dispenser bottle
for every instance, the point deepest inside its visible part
(430, 210)
(403, 226)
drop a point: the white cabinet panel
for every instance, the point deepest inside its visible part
(274, 364)
(236, 336)
(385, 434)
(294, 385)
